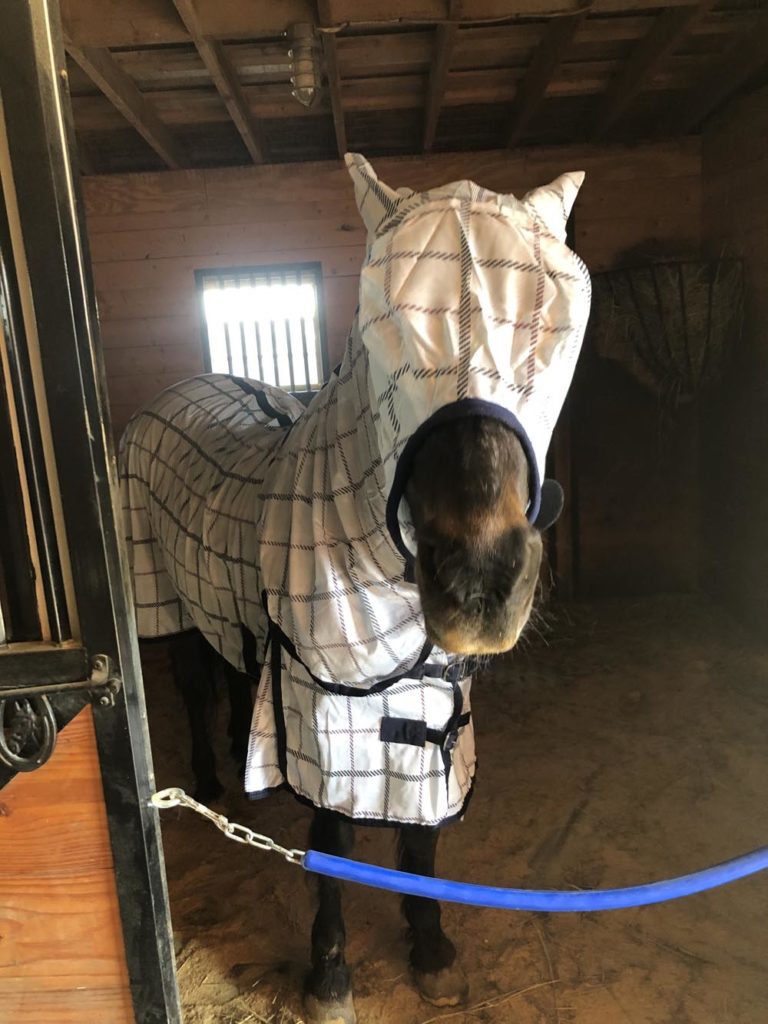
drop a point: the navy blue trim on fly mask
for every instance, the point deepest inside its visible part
(545, 500)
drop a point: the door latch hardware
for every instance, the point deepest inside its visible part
(28, 728)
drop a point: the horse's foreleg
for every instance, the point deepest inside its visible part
(193, 672)
(439, 977)
(240, 712)
(329, 986)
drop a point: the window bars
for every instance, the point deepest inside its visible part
(265, 323)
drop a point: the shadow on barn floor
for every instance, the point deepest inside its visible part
(631, 746)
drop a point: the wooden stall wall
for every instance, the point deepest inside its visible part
(150, 232)
(734, 426)
(61, 944)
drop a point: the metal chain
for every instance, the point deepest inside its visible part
(174, 797)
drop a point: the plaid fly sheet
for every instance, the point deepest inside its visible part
(282, 532)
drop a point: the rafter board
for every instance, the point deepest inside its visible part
(121, 90)
(557, 36)
(333, 75)
(224, 77)
(648, 56)
(445, 38)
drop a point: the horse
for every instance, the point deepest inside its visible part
(357, 558)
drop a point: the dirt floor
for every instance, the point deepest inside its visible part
(631, 746)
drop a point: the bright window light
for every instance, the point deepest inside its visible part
(264, 324)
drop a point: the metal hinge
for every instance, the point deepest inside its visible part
(27, 722)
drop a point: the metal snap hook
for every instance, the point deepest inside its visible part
(167, 798)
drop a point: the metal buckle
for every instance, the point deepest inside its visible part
(450, 741)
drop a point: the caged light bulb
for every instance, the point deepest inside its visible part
(306, 72)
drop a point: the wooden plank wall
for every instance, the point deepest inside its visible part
(61, 945)
(149, 232)
(735, 424)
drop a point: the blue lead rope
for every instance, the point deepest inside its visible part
(477, 895)
(536, 899)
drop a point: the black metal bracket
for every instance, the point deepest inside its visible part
(101, 685)
(28, 729)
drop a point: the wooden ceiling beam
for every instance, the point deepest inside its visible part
(445, 38)
(743, 58)
(224, 78)
(104, 71)
(546, 60)
(666, 34)
(438, 77)
(331, 59)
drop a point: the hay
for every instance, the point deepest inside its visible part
(672, 324)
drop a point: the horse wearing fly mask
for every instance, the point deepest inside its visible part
(357, 557)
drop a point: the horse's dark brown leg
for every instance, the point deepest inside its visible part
(329, 989)
(439, 977)
(192, 663)
(240, 712)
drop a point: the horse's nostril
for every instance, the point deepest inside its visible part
(480, 583)
(449, 568)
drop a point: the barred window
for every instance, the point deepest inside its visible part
(265, 323)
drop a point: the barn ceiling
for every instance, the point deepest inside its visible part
(200, 83)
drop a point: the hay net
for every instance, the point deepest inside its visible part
(671, 323)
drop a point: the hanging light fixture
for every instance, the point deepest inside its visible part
(305, 77)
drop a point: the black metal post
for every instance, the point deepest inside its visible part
(40, 136)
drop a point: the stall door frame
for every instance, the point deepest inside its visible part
(36, 111)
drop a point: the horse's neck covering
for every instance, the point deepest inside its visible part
(470, 303)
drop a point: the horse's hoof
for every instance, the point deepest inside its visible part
(334, 1011)
(448, 987)
(208, 790)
